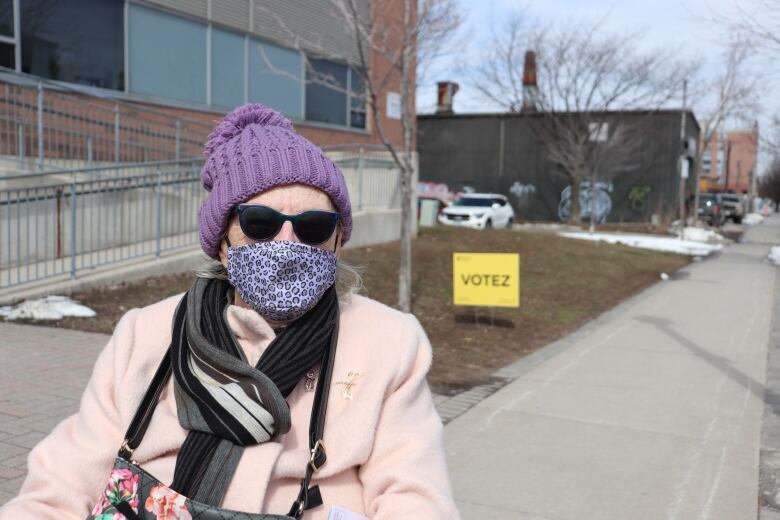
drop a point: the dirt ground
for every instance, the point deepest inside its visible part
(564, 283)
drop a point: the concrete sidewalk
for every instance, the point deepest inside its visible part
(655, 414)
(43, 374)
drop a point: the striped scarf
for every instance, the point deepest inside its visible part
(224, 402)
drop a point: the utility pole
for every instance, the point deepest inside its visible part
(754, 171)
(682, 162)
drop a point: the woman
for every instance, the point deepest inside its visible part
(279, 391)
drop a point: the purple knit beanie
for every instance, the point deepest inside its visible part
(253, 149)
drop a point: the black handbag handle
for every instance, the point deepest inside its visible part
(309, 497)
(143, 414)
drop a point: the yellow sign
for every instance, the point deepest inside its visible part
(486, 279)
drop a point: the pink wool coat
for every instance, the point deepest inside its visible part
(384, 446)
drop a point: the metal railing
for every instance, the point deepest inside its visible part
(65, 222)
(52, 226)
(45, 125)
(371, 174)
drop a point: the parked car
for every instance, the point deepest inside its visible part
(478, 211)
(711, 209)
(732, 207)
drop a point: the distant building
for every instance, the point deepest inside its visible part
(201, 58)
(729, 162)
(503, 153)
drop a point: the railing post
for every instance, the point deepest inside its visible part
(178, 139)
(158, 214)
(116, 133)
(20, 147)
(73, 206)
(361, 172)
(40, 126)
(89, 150)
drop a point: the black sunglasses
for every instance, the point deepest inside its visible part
(260, 223)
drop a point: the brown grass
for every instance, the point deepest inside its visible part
(564, 283)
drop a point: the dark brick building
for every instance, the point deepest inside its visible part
(504, 153)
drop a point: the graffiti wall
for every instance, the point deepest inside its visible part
(466, 151)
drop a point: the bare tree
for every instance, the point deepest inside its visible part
(758, 24)
(393, 39)
(585, 74)
(731, 95)
(391, 42)
(498, 76)
(758, 19)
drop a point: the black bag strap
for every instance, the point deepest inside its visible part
(308, 497)
(143, 414)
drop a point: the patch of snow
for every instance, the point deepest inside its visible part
(540, 225)
(774, 255)
(752, 219)
(49, 308)
(702, 235)
(664, 277)
(654, 242)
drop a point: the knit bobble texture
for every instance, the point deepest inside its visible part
(235, 122)
(252, 150)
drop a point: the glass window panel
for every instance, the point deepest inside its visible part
(227, 68)
(326, 98)
(357, 101)
(7, 58)
(80, 41)
(167, 55)
(275, 78)
(7, 18)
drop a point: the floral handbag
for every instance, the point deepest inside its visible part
(133, 494)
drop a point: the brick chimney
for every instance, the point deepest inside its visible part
(530, 88)
(446, 91)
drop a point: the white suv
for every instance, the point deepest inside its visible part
(479, 211)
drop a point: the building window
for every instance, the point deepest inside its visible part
(326, 92)
(357, 101)
(7, 18)
(706, 162)
(276, 78)
(80, 41)
(7, 37)
(721, 161)
(335, 94)
(227, 68)
(167, 55)
(598, 132)
(7, 56)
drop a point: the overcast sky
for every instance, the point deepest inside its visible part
(680, 24)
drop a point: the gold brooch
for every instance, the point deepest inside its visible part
(311, 377)
(346, 391)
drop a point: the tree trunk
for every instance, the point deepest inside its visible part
(574, 214)
(592, 204)
(694, 212)
(407, 170)
(407, 216)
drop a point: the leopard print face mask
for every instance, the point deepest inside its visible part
(281, 279)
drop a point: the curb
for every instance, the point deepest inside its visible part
(769, 459)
